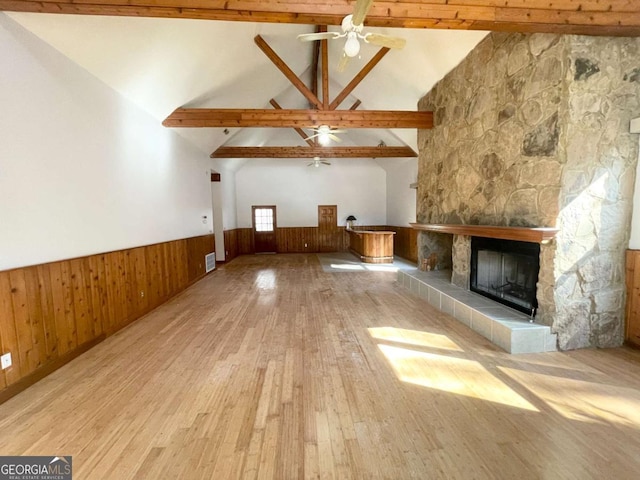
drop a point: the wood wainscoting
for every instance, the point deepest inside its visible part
(405, 243)
(632, 310)
(230, 245)
(53, 312)
(239, 241)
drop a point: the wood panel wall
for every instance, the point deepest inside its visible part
(632, 311)
(245, 241)
(293, 239)
(405, 243)
(230, 244)
(51, 313)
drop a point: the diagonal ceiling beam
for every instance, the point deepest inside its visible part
(587, 17)
(299, 131)
(358, 78)
(310, 152)
(325, 73)
(315, 56)
(284, 68)
(224, 117)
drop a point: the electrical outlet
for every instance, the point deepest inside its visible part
(141, 293)
(305, 245)
(5, 360)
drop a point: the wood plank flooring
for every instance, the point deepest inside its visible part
(271, 368)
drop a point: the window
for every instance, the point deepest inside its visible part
(263, 219)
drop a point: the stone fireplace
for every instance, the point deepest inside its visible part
(506, 271)
(533, 131)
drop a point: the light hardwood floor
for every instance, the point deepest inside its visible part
(271, 368)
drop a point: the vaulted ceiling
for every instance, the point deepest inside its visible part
(161, 64)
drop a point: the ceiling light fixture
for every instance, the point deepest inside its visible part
(352, 45)
(323, 135)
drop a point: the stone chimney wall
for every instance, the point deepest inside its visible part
(533, 130)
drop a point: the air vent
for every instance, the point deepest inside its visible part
(210, 261)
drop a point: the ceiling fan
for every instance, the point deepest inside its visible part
(324, 134)
(352, 26)
(317, 161)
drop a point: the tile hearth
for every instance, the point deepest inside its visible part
(507, 328)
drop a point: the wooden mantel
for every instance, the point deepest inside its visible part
(522, 234)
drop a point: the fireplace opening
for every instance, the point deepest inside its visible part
(506, 271)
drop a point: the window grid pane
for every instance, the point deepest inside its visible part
(263, 218)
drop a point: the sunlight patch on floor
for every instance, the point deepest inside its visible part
(347, 262)
(377, 267)
(266, 280)
(374, 267)
(345, 266)
(582, 400)
(453, 375)
(414, 337)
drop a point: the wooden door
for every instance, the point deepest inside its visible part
(264, 228)
(328, 233)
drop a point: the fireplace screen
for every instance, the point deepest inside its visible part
(506, 271)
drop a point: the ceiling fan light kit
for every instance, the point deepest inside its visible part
(324, 134)
(317, 161)
(352, 45)
(324, 139)
(352, 26)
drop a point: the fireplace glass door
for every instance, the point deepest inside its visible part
(506, 271)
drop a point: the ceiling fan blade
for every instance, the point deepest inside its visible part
(326, 163)
(384, 40)
(360, 11)
(310, 37)
(344, 61)
(335, 138)
(311, 137)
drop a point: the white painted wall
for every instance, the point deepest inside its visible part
(401, 200)
(82, 170)
(227, 170)
(356, 186)
(634, 240)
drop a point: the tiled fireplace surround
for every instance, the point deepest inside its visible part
(503, 326)
(512, 330)
(533, 131)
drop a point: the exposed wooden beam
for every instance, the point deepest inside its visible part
(588, 17)
(284, 68)
(325, 74)
(214, 117)
(355, 105)
(310, 152)
(299, 131)
(314, 62)
(358, 78)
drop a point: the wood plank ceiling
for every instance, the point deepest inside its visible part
(587, 17)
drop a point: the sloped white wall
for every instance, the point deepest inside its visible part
(82, 170)
(356, 186)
